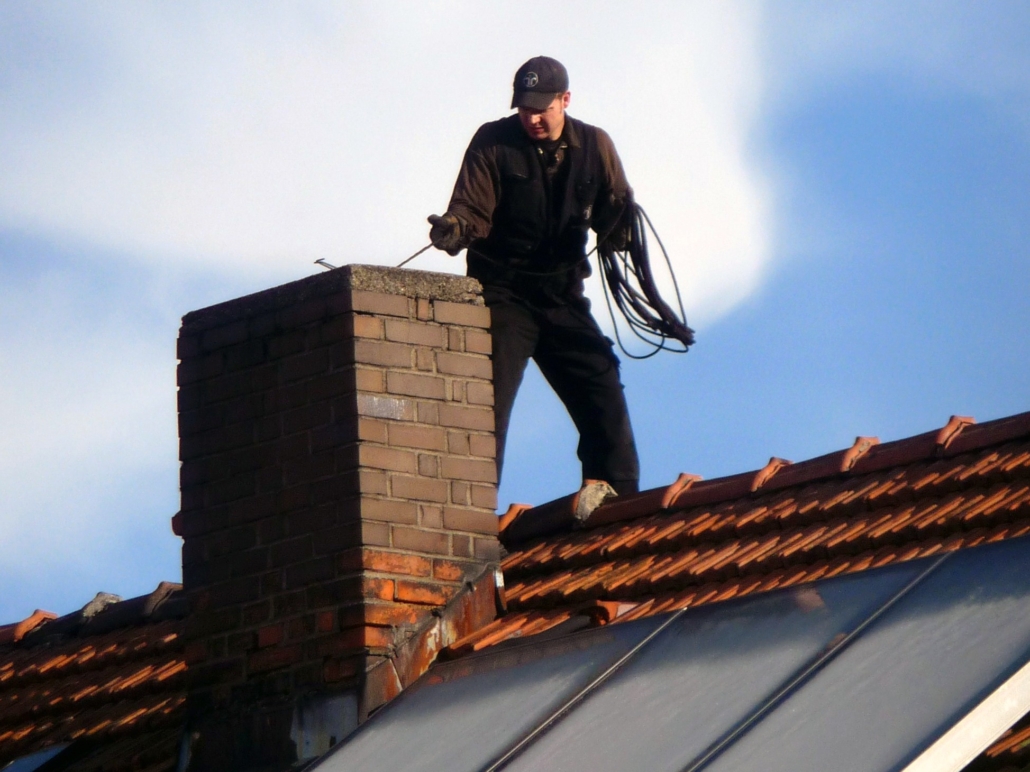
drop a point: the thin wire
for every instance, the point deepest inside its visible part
(405, 262)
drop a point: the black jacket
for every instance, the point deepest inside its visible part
(518, 236)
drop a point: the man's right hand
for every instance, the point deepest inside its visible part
(445, 233)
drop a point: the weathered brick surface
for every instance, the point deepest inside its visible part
(337, 479)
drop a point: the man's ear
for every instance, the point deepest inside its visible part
(566, 98)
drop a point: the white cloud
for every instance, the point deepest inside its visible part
(259, 137)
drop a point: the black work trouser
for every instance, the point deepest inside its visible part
(578, 362)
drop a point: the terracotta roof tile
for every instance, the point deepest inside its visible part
(114, 673)
(865, 506)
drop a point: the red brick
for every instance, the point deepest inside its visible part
(187, 346)
(458, 443)
(245, 355)
(342, 643)
(466, 417)
(325, 621)
(483, 445)
(451, 570)
(226, 335)
(413, 332)
(455, 339)
(331, 385)
(256, 613)
(369, 380)
(389, 511)
(291, 551)
(387, 458)
(389, 614)
(459, 492)
(372, 481)
(414, 385)
(372, 430)
(215, 673)
(319, 569)
(423, 437)
(428, 465)
(471, 469)
(395, 563)
(303, 470)
(198, 369)
(300, 628)
(477, 342)
(457, 391)
(484, 496)
(342, 668)
(462, 545)
(469, 520)
(288, 605)
(429, 412)
(464, 364)
(286, 345)
(201, 420)
(417, 540)
(366, 326)
(236, 592)
(368, 636)
(461, 313)
(195, 652)
(430, 516)
(424, 360)
(383, 354)
(298, 314)
(375, 534)
(273, 659)
(239, 643)
(379, 303)
(305, 418)
(418, 488)
(423, 592)
(374, 587)
(424, 309)
(487, 549)
(480, 394)
(269, 636)
(304, 365)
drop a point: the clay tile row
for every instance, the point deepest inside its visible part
(592, 508)
(13, 633)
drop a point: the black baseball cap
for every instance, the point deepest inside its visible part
(537, 82)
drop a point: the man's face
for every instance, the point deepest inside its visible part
(545, 124)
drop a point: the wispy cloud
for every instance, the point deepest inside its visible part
(259, 137)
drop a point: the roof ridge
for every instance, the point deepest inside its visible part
(960, 434)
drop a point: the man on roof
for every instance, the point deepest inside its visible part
(529, 189)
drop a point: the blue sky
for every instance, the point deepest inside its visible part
(843, 190)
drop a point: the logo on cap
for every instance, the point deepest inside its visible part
(530, 79)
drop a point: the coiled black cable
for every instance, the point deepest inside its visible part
(629, 283)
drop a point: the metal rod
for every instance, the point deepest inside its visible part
(427, 246)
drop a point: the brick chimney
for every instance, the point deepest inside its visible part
(338, 496)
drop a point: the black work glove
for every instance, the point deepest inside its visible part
(445, 233)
